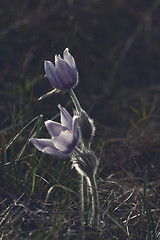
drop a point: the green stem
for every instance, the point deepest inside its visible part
(95, 202)
(84, 201)
(75, 100)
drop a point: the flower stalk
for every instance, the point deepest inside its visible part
(75, 101)
(94, 220)
(88, 181)
(84, 201)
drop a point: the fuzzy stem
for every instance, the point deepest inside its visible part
(84, 200)
(75, 100)
(95, 221)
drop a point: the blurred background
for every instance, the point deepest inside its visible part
(116, 45)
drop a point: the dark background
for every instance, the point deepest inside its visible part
(116, 45)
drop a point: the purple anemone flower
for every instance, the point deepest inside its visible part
(63, 75)
(64, 135)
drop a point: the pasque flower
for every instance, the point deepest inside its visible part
(64, 135)
(63, 75)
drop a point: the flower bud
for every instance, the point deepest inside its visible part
(85, 162)
(63, 75)
(87, 128)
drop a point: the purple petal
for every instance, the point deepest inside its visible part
(46, 146)
(66, 118)
(53, 151)
(64, 141)
(66, 75)
(52, 74)
(40, 144)
(54, 128)
(68, 58)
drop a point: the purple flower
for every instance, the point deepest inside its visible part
(63, 75)
(64, 135)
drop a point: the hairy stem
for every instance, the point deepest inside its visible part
(75, 100)
(95, 221)
(84, 201)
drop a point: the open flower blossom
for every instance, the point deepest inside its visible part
(63, 75)
(64, 135)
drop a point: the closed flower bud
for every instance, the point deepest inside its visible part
(87, 127)
(85, 162)
(63, 74)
